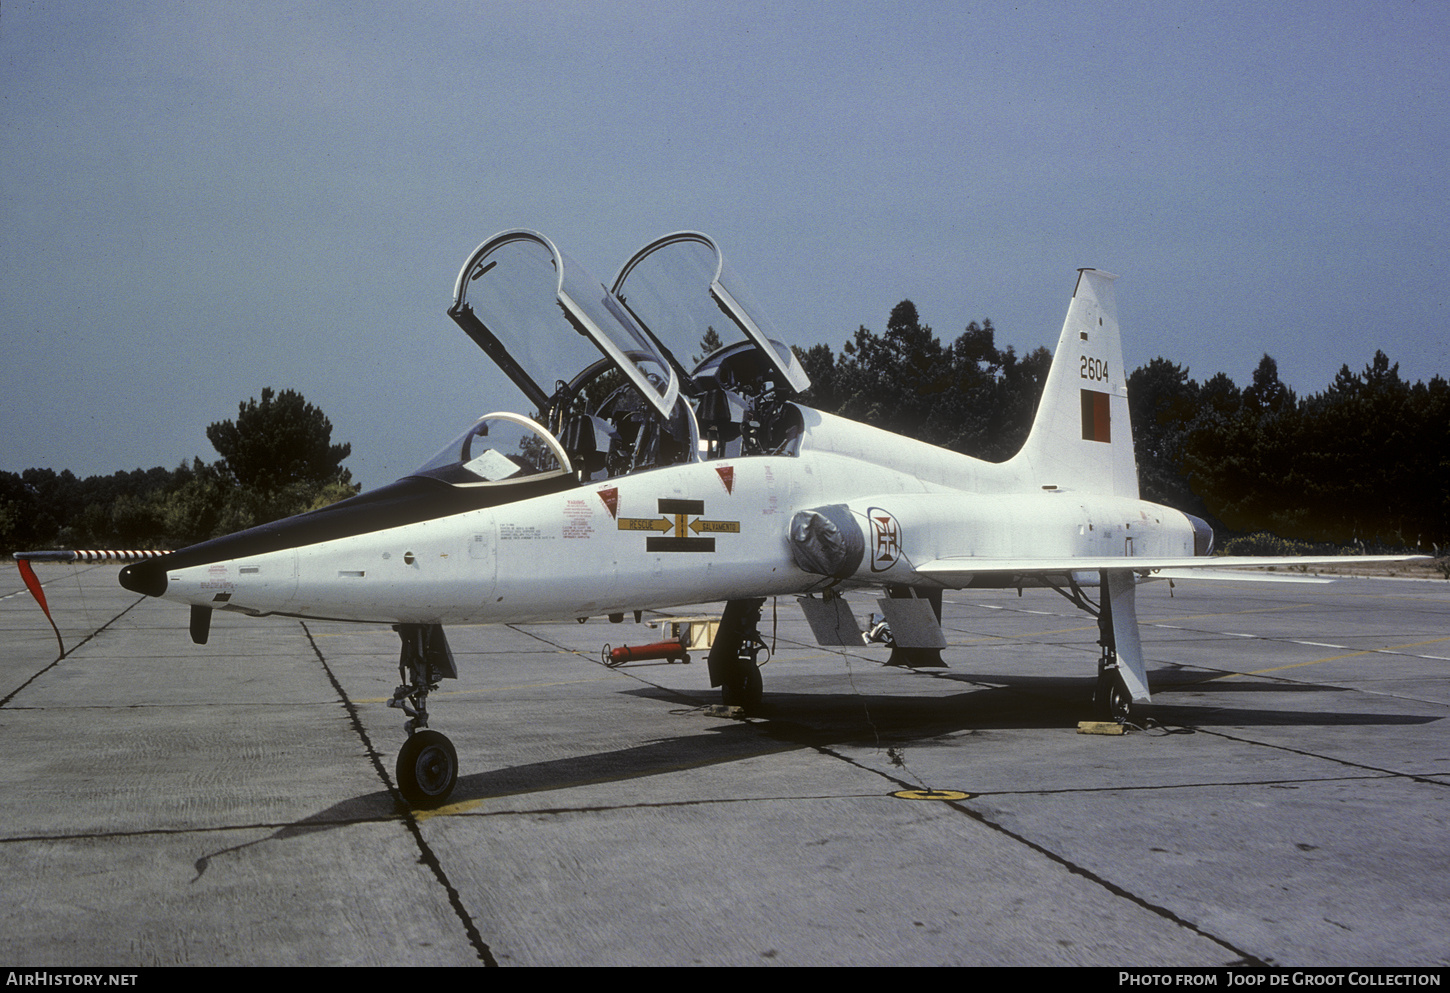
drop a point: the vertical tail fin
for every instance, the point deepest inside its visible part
(1081, 438)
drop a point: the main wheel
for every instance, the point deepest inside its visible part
(427, 769)
(1112, 701)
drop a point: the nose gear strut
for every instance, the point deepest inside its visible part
(427, 768)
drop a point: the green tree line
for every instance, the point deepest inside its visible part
(969, 396)
(277, 459)
(1365, 461)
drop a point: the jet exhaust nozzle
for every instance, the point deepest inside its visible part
(1202, 535)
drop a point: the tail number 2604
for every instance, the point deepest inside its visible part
(1094, 369)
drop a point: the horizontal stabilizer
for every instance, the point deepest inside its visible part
(1229, 575)
(962, 570)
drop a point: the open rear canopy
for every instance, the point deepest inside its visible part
(680, 286)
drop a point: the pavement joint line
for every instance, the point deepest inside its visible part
(964, 807)
(606, 808)
(193, 705)
(410, 820)
(302, 825)
(1209, 784)
(1366, 690)
(479, 691)
(1427, 779)
(68, 653)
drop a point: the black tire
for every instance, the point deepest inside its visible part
(427, 769)
(754, 687)
(1112, 701)
(744, 688)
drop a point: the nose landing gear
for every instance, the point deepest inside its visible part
(427, 768)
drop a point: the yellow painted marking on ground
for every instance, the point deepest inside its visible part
(449, 808)
(931, 795)
(1335, 658)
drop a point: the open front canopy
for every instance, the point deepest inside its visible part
(680, 286)
(542, 318)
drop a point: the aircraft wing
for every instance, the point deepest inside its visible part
(951, 570)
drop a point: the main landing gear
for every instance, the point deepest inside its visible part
(735, 657)
(1111, 699)
(427, 767)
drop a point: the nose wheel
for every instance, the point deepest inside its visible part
(427, 768)
(427, 763)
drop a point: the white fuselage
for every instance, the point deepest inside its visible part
(704, 531)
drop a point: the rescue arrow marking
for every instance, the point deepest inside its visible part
(716, 527)
(645, 524)
(680, 523)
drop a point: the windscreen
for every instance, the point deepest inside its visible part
(498, 448)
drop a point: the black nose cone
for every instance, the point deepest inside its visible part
(147, 577)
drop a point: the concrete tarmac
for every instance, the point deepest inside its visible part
(164, 803)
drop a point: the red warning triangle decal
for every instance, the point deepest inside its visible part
(727, 476)
(611, 500)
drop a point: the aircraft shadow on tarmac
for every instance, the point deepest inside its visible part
(790, 722)
(1056, 697)
(729, 741)
(793, 721)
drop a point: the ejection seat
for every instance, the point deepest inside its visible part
(590, 442)
(721, 414)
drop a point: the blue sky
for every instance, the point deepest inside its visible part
(198, 200)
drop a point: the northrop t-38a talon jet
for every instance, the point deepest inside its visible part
(641, 483)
